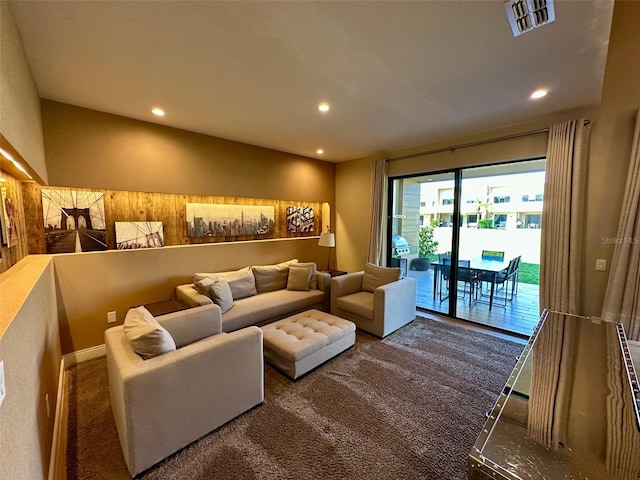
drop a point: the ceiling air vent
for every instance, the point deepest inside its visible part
(525, 15)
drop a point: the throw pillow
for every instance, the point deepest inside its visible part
(299, 279)
(221, 295)
(241, 282)
(272, 277)
(375, 276)
(313, 284)
(204, 286)
(145, 335)
(242, 285)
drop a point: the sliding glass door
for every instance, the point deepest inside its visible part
(484, 220)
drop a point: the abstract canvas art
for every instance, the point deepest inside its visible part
(215, 220)
(300, 219)
(74, 220)
(133, 235)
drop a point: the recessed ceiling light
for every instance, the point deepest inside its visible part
(539, 93)
(323, 107)
(319, 151)
(158, 112)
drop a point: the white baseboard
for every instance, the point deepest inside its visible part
(67, 361)
(90, 353)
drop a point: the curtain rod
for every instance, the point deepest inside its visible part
(472, 144)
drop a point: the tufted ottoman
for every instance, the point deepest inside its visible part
(297, 344)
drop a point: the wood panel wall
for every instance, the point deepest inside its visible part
(170, 209)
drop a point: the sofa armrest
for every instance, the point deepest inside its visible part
(193, 324)
(190, 296)
(345, 285)
(323, 281)
(162, 404)
(394, 304)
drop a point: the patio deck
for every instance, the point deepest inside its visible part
(520, 316)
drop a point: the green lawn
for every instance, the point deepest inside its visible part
(529, 273)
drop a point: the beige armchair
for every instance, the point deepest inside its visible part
(162, 404)
(380, 311)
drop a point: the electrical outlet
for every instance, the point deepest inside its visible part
(111, 317)
(601, 264)
(3, 390)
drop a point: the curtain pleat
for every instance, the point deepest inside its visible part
(563, 217)
(622, 299)
(378, 189)
(560, 279)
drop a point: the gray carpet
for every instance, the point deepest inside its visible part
(406, 407)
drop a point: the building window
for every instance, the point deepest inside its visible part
(502, 199)
(532, 198)
(447, 201)
(423, 204)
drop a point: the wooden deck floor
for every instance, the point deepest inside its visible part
(520, 316)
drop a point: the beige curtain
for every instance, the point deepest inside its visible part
(622, 300)
(560, 263)
(378, 189)
(563, 214)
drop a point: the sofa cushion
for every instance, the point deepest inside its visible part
(191, 325)
(241, 282)
(360, 304)
(222, 295)
(375, 276)
(272, 277)
(313, 283)
(145, 335)
(269, 306)
(299, 279)
(221, 276)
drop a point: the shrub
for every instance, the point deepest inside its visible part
(427, 245)
(485, 223)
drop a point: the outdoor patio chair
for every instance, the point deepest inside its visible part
(501, 279)
(466, 276)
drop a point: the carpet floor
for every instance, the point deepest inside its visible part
(406, 407)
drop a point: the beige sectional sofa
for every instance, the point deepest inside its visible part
(259, 295)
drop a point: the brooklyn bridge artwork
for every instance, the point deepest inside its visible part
(134, 235)
(216, 220)
(74, 220)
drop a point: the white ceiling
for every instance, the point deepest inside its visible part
(396, 73)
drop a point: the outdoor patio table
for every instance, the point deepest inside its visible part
(478, 264)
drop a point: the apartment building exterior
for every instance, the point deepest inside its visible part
(509, 201)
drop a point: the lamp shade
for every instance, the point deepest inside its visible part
(327, 239)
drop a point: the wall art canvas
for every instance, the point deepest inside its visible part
(300, 219)
(9, 215)
(74, 220)
(215, 220)
(133, 235)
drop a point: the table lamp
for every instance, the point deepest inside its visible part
(327, 239)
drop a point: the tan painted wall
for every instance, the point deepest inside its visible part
(91, 284)
(30, 351)
(20, 121)
(90, 149)
(353, 213)
(611, 139)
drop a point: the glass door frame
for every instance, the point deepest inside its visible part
(456, 221)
